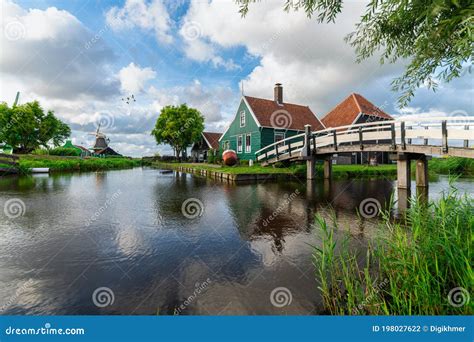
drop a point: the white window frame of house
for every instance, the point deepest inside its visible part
(242, 118)
(248, 147)
(239, 146)
(227, 145)
(283, 137)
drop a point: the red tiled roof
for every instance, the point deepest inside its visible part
(271, 114)
(346, 112)
(213, 139)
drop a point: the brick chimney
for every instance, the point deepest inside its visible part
(278, 93)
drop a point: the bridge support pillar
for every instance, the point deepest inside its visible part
(403, 172)
(327, 168)
(422, 172)
(311, 168)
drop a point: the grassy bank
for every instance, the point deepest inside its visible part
(421, 268)
(342, 171)
(56, 163)
(452, 166)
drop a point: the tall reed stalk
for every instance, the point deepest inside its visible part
(419, 267)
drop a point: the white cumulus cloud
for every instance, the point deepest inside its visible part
(133, 78)
(151, 16)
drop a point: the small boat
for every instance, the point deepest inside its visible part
(229, 157)
(163, 172)
(40, 170)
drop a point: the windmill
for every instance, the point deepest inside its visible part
(101, 140)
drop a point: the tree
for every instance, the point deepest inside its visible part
(26, 127)
(435, 36)
(179, 127)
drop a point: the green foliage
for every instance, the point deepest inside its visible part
(40, 152)
(27, 127)
(56, 163)
(435, 36)
(452, 165)
(411, 268)
(65, 151)
(211, 156)
(179, 127)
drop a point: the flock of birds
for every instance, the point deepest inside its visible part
(129, 99)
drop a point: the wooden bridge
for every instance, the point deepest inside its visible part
(414, 139)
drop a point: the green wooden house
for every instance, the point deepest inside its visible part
(261, 122)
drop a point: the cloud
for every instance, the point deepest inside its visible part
(51, 53)
(151, 16)
(313, 62)
(133, 78)
(196, 47)
(212, 101)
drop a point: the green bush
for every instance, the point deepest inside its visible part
(211, 156)
(64, 151)
(40, 152)
(244, 162)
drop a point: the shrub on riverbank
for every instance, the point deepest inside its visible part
(56, 163)
(452, 165)
(421, 268)
(64, 151)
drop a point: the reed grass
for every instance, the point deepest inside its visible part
(409, 269)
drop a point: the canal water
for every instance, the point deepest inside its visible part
(142, 242)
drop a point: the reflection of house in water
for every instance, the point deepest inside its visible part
(267, 212)
(276, 211)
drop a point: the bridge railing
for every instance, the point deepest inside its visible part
(440, 131)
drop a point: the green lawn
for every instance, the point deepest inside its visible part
(297, 169)
(57, 163)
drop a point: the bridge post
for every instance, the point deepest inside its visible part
(307, 140)
(422, 172)
(403, 171)
(311, 168)
(327, 167)
(466, 142)
(444, 131)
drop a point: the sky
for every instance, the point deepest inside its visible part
(81, 58)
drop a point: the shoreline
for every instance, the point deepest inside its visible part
(257, 172)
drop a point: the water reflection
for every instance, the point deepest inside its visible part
(125, 230)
